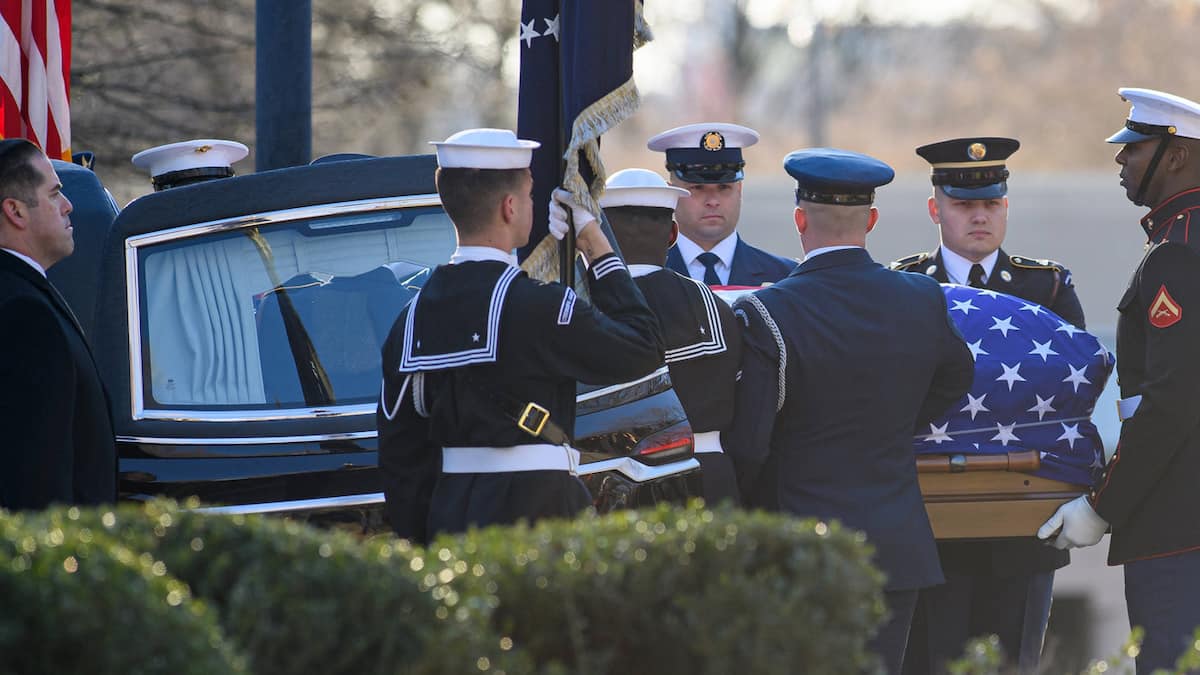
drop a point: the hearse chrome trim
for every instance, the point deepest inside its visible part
(618, 387)
(133, 306)
(318, 504)
(638, 472)
(258, 440)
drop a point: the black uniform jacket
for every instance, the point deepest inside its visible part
(704, 350)
(1048, 284)
(482, 330)
(58, 442)
(1148, 492)
(842, 360)
(1042, 281)
(751, 266)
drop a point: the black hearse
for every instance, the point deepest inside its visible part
(237, 324)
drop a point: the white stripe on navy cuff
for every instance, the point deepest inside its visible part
(607, 266)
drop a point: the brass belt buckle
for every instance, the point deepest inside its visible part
(539, 417)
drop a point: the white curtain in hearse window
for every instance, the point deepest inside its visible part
(212, 307)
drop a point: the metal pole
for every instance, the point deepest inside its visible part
(283, 90)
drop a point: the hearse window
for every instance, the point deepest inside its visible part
(282, 315)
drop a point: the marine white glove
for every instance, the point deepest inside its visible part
(560, 201)
(1079, 523)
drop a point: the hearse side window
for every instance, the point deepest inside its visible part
(281, 315)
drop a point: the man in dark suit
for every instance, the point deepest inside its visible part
(706, 160)
(702, 340)
(58, 442)
(1000, 587)
(841, 362)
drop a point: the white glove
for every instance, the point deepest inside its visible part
(1079, 522)
(560, 200)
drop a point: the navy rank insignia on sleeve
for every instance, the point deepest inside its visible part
(1164, 311)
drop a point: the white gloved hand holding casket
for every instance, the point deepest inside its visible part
(1076, 523)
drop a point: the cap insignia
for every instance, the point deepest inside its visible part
(712, 141)
(203, 148)
(977, 151)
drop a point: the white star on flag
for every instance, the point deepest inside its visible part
(552, 27)
(976, 349)
(1042, 407)
(1011, 374)
(964, 306)
(974, 405)
(1076, 377)
(1043, 349)
(1098, 462)
(989, 292)
(1067, 328)
(938, 434)
(1070, 434)
(1004, 434)
(1030, 307)
(1004, 325)
(528, 33)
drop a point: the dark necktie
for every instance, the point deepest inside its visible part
(975, 278)
(710, 260)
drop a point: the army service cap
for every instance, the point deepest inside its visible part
(840, 177)
(970, 168)
(484, 149)
(640, 187)
(178, 164)
(1156, 114)
(709, 152)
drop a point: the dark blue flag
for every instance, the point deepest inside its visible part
(1037, 379)
(576, 83)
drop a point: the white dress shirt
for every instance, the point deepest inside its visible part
(690, 250)
(32, 263)
(808, 255)
(958, 268)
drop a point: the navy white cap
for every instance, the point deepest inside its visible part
(640, 187)
(485, 149)
(709, 152)
(832, 176)
(1155, 114)
(177, 164)
(970, 168)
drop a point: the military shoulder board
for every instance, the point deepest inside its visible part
(905, 263)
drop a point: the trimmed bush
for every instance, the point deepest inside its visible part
(76, 601)
(296, 599)
(677, 591)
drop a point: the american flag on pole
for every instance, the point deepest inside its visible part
(35, 73)
(1037, 379)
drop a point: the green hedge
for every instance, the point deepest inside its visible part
(678, 591)
(75, 601)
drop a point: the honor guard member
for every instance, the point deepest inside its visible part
(1000, 587)
(841, 362)
(706, 160)
(477, 409)
(703, 344)
(1148, 490)
(970, 207)
(179, 164)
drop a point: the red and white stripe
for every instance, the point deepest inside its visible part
(35, 73)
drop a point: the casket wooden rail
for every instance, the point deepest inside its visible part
(989, 496)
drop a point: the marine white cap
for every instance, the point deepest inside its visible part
(639, 187)
(203, 153)
(484, 149)
(1156, 113)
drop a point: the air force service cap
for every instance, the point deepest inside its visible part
(640, 187)
(970, 168)
(484, 149)
(832, 176)
(709, 152)
(1156, 114)
(186, 162)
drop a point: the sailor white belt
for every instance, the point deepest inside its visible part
(1126, 407)
(532, 457)
(708, 441)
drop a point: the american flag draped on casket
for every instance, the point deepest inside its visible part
(1037, 379)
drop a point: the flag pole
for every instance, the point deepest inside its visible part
(566, 248)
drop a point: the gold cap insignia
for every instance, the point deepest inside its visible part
(977, 151)
(712, 141)
(203, 148)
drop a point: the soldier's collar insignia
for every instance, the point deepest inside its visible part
(712, 141)
(976, 151)
(1005, 275)
(1164, 311)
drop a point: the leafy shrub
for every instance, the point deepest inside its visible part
(677, 590)
(75, 600)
